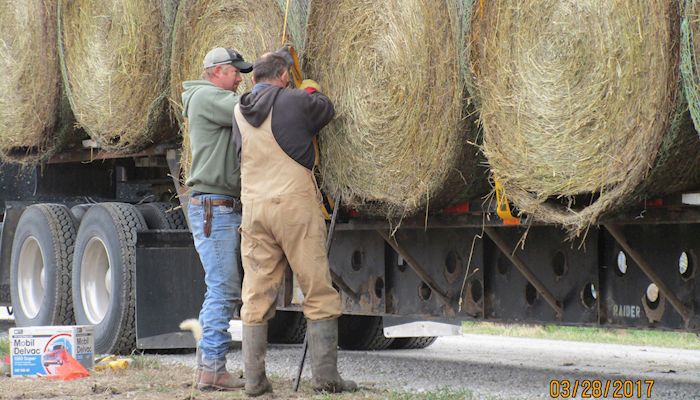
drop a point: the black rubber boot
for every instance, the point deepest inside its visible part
(323, 345)
(254, 349)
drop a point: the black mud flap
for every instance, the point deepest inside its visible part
(169, 288)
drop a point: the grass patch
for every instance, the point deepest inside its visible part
(144, 362)
(439, 394)
(639, 337)
(4, 347)
(175, 381)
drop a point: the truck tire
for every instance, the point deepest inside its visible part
(287, 327)
(358, 332)
(104, 264)
(413, 342)
(162, 216)
(40, 266)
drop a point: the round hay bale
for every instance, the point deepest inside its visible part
(399, 142)
(297, 16)
(30, 84)
(690, 50)
(252, 28)
(115, 60)
(580, 104)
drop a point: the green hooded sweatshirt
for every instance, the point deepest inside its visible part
(209, 112)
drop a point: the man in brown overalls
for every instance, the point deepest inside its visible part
(282, 222)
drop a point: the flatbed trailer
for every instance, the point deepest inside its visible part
(106, 243)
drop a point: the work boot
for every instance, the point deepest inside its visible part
(323, 345)
(221, 381)
(254, 349)
(212, 375)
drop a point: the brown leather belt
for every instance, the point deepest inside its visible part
(217, 202)
(208, 214)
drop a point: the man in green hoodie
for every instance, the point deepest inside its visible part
(215, 209)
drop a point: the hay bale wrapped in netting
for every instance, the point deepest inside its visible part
(690, 51)
(251, 28)
(399, 142)
(115, 60)
(30, 96)
(580, 104)
(296, 14)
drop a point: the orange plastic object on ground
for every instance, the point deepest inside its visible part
(70, 369)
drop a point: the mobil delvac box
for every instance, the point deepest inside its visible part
(40, 350)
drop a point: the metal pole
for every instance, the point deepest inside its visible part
(648, 271)
(415, 266)
(507, 251)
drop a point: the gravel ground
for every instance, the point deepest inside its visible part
(501, 368)
(492, 367)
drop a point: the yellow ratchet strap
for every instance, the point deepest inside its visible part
(327, 205)
(503, 206)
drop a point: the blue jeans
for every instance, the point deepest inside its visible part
(221, 275)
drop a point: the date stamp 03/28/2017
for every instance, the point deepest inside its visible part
(601, 388)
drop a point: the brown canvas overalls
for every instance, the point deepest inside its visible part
(282, 225)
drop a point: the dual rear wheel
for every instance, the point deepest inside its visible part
(355, 332)
(360, 332)
(104, 263)
(79, 267)
(40, 267)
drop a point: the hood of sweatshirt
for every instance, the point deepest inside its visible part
(256, 107)
(190, 88)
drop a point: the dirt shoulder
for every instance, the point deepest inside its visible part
(161, 382)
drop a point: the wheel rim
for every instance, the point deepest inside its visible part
(96, 280)
(31, 277)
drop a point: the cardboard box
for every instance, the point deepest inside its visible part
(36, 350)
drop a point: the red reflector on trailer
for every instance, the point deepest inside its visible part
(461, 208)
(654, 203)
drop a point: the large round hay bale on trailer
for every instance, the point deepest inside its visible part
(251, 28)
(581, 105)
(115, 60)
(30, 88)
(690, 51)
(400, 141)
